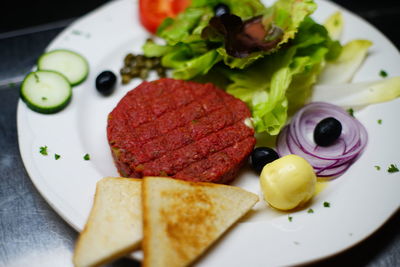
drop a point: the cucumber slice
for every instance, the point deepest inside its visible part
(46, 91)
(71, 64)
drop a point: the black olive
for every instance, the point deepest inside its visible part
(144, 73)
(327, 131)
(105, 82)
(262, 156)
(221, 9)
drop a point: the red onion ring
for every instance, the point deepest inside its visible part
(331, 161)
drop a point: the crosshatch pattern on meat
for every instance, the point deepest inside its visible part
(180, 129)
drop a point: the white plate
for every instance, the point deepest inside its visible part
(361, 200)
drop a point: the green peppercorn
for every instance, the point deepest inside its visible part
(125, 70)
(144, 73)
(128, 59)
(126, 78)
(148, 63)
(140, 59)
(135, 71)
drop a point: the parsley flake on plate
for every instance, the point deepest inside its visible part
(86, 157)
(379, 121)
(327, 204)
(310, 211)
(290, 218)
(351, 112)
(392, 168)
(43, 150)
(383, 74)
(378, 168)
(56, 156)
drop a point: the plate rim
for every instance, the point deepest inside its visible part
(41, 186)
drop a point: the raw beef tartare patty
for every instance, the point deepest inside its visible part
(182, 129)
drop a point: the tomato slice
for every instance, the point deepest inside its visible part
(153, 12)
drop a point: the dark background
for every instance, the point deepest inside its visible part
(21, 14)
(384, 14)
(31, 233)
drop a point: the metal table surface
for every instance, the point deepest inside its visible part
(32, 234)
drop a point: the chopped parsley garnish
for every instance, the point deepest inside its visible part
(44, 98)
(76, 32)
(290, 218)
(351, 112)
(327, 204)
(379, 121)
(43, 150)
(392, 168)
(86, 157)
(56, 156)
(383, 74)
(378, 168)
(310, 211)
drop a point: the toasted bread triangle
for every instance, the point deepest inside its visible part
(114, 227)
(182, 219)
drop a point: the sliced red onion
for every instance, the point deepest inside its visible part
(330, 161)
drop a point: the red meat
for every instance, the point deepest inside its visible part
(182, 129)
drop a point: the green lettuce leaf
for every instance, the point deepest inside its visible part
(152, 49)
(289, 14)
(196, 66)
(186, 27)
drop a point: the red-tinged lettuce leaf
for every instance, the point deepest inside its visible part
(242, 38)
(281, 22)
